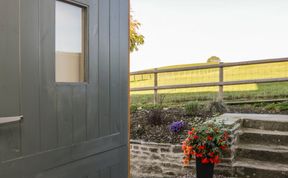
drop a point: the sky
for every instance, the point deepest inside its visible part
(190, 31)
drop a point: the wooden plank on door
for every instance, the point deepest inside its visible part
(95, 166)
(124, 68)
(104, 67)
(9, 59)
(115, 65)
(29, 44)
(10, 139)
(93, 87)
(65, 115)
(48, 120)
(79, 113)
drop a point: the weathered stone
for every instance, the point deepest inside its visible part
(150, 169)
(154, 156)
(154, 150)
(255, 136)
(135, 152)
(143, 157)
(146, 153)
(177, 149)
(170, 173)
(266, 122)
(259, 170)
(136, 147)
(277, 154)
(164, 149)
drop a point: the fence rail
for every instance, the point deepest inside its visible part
(220, 83)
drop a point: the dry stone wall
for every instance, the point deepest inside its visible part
(157, 160)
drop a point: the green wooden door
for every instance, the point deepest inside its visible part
(68, 130)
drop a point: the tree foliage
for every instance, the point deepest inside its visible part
(213, 59)
(136, 39)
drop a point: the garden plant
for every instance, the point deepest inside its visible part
(206, 144)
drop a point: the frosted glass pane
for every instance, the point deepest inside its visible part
(69, 43)
(68, 27)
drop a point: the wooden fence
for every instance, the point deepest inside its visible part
(220, 83)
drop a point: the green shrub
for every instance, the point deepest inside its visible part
(216, 107)
(283, 106)
(133, 108)
(192, 108)
(272, 106)
(277, 106)
(152, 106)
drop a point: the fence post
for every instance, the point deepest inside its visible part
(221, 80)
(155, 86)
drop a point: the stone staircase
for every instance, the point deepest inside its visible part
(261, 149)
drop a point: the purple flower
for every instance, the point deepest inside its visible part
(176, 127)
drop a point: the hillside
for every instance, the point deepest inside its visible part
(236, 73)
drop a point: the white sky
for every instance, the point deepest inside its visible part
(190, 31)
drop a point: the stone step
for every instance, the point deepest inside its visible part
(257, 136)
(259, 169)
(272, 153)
(266, 122)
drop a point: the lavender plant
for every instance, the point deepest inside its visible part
(176, 126)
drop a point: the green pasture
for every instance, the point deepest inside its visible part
(235, 92)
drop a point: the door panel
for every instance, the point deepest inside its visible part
(79, 112)
(9, 59)
(75, 130)
(48, 115)
(65, 115)
(10, 146)
(94, 167)
(104, 70)
(30, 130)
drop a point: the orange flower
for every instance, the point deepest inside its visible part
(186, 161)
(183, 145)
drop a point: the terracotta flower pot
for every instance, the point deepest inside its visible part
(204, 170)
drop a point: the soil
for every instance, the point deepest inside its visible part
(194, 176)
(143, 129)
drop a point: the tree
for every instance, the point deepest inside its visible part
(136, 39)
(214, 59)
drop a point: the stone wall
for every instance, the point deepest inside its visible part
(150, 159)
(157, 160)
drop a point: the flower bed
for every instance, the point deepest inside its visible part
(142, 129)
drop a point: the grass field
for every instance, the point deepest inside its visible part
(235, 73)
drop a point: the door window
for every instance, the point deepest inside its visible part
(70, 42)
